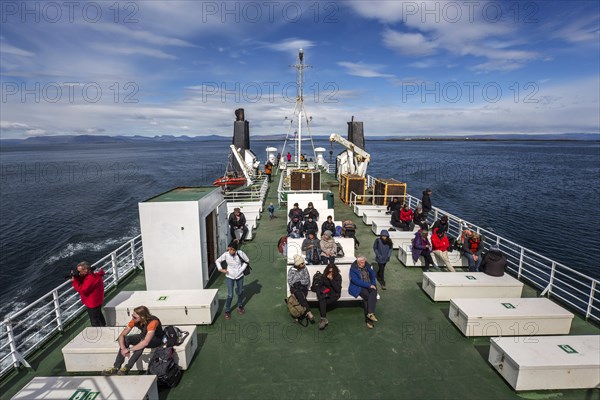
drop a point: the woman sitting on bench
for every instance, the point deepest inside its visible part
(151, 337)
(329, 292)
(299, 282)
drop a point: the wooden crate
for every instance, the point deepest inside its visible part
(352, 183)
(305, 180)
(389, 188)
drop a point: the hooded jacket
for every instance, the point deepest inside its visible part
(90, 288)
(426, 202)
(494, 263)
(236, 264)
(383, 250)
(419, 245)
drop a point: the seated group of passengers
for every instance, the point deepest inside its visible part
(470, 243)
(329, 289)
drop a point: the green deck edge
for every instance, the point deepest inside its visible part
(414, 352)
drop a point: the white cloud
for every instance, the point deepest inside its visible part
(364, 70)
(13, 125)
(35, 132)
(463, 33)
(132, 50)
(291, 44)
(409, 44)
(6, 48)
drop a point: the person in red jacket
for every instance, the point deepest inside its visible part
(90, 286)
(440, 245)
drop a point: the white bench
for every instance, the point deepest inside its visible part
(547, 362)
(405, 256)
(95, 348)
(379, 215)
(172, 307)
(303, 198)
(134, 387)
(244, 204)
(359, 209)
(294, 247)
(509, 317)
(443, 287)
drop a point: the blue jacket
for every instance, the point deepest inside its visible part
(383, 251)
(356, 283)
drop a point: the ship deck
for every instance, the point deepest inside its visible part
(414, 352)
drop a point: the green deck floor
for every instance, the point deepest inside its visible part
(414, 352)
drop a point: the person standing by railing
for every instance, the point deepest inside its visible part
(426, 202)
(90, 286)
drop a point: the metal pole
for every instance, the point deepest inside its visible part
(56, 302)
(591, 300)
(115, 268)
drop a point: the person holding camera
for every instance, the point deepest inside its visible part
(90, 286)
(330, 292)
(237, 261)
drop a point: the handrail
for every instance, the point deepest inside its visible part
(24, 331)
(581, 292)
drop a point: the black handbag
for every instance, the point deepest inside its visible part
(248, 268)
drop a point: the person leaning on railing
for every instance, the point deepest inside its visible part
(90, 286)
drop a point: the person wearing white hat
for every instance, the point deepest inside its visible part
(299, 281)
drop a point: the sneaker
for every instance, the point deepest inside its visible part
(227, 315)
(110, 371)
(372, 317)
(370, 325)
(123, 371)
(241, 310)
(310, 317)
(323, 323)
(382, 286)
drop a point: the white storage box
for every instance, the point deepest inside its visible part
(379, 215)
(138, 387)
(95, 349)
(509, 317)
(547, 362)
(172, 307)
(458, 285)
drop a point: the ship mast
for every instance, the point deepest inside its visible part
(299, 111)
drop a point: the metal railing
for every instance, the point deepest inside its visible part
(255, 192)
(24, 331)
(556, 280)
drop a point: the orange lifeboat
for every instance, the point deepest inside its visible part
(230, 181)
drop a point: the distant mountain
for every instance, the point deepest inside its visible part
(92, 139)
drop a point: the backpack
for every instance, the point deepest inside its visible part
(338, 231)
(317, 282)
(295, 308)
(164, 367)
(173, 336)
(339, 250)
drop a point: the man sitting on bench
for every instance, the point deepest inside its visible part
(151, 337)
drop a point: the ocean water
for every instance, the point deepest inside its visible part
(63, 204)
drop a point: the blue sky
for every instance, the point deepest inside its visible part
(403, 67)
